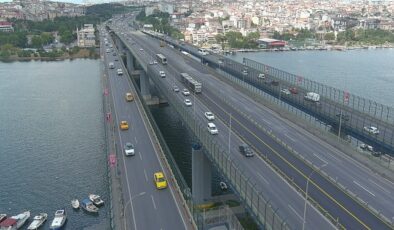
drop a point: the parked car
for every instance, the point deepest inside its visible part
(371, 130)
(293, 90)
(246, 150)
(209, 116)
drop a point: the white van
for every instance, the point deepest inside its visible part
(111, 65)
(311, 96)
(119, 71)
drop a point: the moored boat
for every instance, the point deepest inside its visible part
(8, 224)
(75, 203)
(59, 220)
(223, 185)
(96, 199)
(21, 219)
(3, 217)
(38, 221)
(88, 205)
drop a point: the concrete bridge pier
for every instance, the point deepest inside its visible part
(129, 61)
(201, 175)
(144, 84)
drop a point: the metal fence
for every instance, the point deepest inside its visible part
(260, 208)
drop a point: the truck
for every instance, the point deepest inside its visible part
(312, 96)
(192, 84)
(162, 44)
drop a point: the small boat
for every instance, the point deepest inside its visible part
(88, 205)
(3, 217)
(223, 185)
(21, 219)
(96, 199)
(8, 224)
(75, 203)
(59, 220)
(38, 221)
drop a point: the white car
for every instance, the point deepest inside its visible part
(151, 63)
(212, 128)
(175, 88)
(371, 129)
(185, 92)
(209, 116)
(129, 149)
(162, 73)
(155, 62)
(285, 91)
(188, 102)
(261, 76)
(141, 49)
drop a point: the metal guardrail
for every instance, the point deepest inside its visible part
(259, 205)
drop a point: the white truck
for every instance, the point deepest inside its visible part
(119, 71)
(311, 96)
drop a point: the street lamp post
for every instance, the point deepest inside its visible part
(229, 135)
(306, 193)
(132, 209)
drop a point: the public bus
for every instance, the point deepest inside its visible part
(161, 59)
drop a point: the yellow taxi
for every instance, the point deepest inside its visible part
(159, 180)
(129, 97)
(124, 125)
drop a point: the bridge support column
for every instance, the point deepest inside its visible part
(201, 175)
(144, 83)
(129, 61)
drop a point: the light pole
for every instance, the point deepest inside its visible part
(340, 124)
(306, 193)
(132, 209)
(229, 135)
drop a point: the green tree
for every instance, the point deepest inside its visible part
(329, 36)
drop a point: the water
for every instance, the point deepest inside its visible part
(52, 145)
(367, 73)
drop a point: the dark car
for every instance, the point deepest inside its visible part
(344, 117)
(275, 82)
(246, 150)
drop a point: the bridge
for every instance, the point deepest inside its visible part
(291, 165)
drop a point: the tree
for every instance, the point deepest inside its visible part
(36, 41)
(329, 36)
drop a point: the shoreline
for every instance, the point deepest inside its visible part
(83, 53)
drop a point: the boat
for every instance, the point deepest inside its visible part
(88, 205)
(21, 219)
(223, 185)
(38, 221)
(3, 217)
(75, 203)
(96, 199)
(8, 224)
(59, 220)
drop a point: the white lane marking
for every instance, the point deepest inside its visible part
(292, 139)
(385, 190)
(135, 139)
(263, 178)
(146, 176)
(292, 209)
(153, 201)
(363, 188)
(325, 162)
(139, 153)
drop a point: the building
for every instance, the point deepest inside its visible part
(268, 43)
(6, 27)
(86, 37)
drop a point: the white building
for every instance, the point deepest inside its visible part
(86, 37)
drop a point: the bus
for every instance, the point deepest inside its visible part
(161, 59)
(192, 84)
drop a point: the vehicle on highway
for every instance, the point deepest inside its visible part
(261, 76)
(245, 72)
(192, 84)
(185, 92)
(188, 102)
(129, 149)
(154, 62)
(366, 147)
(116, 59)
(203, 52)
(113, 54)
(119, 71)
(311, 96)
(161, 58)
(141, 49)
(124, 125)
(209, 116)
(151, 63)
(160, 180)
(175, 88)
(275, 82)
(293, 90)
(371, 130)
(344, 117)
(246, 150)
(111, 65)
(162, 73)
(107, 50)
(285, 91)
(129, 96)
(212, 128)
